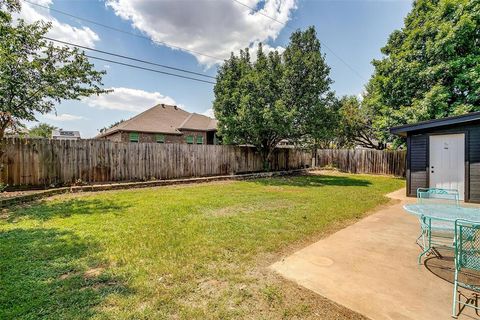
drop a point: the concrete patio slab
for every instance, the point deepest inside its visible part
(371, 267)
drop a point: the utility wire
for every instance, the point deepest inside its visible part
(122, 31)
(323, 43)
(148, 69)
(184, 49)
(130, 58)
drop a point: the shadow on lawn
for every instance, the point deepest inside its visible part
(46, 273)
(314, 181)
(45, 210)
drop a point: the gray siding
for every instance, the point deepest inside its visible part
(474, 163)
(419, 162)
(418, 157)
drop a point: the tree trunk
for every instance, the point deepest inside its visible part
(266, 154)
(3, 127)
(314, 156)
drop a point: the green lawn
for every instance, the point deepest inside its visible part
(194, 251)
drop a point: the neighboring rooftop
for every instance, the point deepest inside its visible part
(65, 134)
(166, 119)
(402, 130)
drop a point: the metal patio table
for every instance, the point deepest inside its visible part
(440, 218)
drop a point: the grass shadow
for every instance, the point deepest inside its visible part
(311, 180)
(45, 210)
(47, 273)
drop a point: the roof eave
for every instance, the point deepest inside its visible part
(404, 129)
(106, 134)
(197, 129)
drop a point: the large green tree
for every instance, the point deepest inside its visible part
(430, 69)
(248, 102)
(306, 89)
(35, 74)
(276, 96)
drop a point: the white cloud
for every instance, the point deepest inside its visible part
(215, 28)
(61, 31)
(209, 113)
(128, 99)
(62, 117)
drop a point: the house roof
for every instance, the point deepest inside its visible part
(164, 119)
(403, 130)
(65, 133)
(197, 121)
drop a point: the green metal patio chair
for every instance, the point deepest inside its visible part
(434, 233)
(467, 256)
(438, 195)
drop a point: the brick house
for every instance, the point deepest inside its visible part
(164, 124)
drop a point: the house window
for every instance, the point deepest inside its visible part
(160, 138)
(199, 139)
(133, 136)
(189, 139)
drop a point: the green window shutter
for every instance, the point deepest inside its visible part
(133, 136)
(189, 139)
(160, 138)
(199, 139)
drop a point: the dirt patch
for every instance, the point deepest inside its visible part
(93, 273)
(65, 276)
(210, 286)
(4, 214)
(13, 194)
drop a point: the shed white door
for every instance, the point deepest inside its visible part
(447, 162)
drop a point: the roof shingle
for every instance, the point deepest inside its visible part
(164, 119)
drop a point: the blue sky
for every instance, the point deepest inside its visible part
(354, 30)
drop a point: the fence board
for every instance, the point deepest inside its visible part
(363, 161)
(43, 162)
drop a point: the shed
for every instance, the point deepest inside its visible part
(444, 153)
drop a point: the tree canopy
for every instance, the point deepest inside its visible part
(35, 74)
(355, 125)
(42, 130)
(276, 96)
(430, 68)
(306, 86)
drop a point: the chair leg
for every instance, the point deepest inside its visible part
(476, 304)
(426, 247)
(455, 289)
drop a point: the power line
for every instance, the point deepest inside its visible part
(263, 14)
(130, 58)
(122, 31)
(148, 69)
(184, 49)
(323, 43)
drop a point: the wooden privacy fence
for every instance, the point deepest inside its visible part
(363, 161)
(44, 162)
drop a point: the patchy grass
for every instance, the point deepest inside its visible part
(196, 251)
